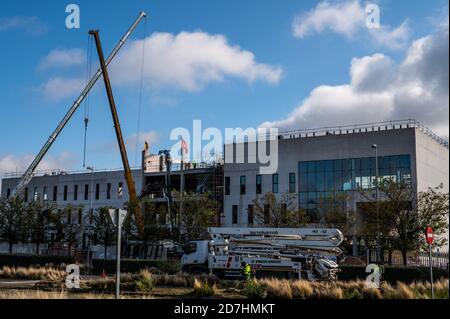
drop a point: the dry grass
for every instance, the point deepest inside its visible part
(301, 289)
(62, 294)
(32, 273)
(277, 288)
(204, 289)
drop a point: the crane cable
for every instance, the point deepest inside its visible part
(141, 84)
(87, 99)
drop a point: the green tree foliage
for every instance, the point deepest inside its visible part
(403, 215)
(282, 211)
(12, 216)
(38, 218)
(68, 225)
(103, 230)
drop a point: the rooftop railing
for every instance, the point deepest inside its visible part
(363, 128)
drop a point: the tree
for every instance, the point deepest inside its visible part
(199, 213)
(103, 229)
(279, 212)
(12, 216)
(68, 225)
(404, 215)
(155, 227)
(336, 214)
(38, 218)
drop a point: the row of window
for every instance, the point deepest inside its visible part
(258, 188)
(251, 214)
(75, 193)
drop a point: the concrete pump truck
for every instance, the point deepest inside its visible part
(302, 253)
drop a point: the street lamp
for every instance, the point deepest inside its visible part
(375, 146)
(90, 168)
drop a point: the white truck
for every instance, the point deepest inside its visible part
(303, 253)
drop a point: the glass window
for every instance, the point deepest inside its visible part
(291, 182)
(242, 185)
(235, 215)
(65, 193)
(258, 184)
(35, 194)
(312, 197)
(55, 193)
(250, 215)
(311, 182)
(357, 164)
(275, 183)
(303, 182)
(404, 161)
(86, 191)
(337, 178)
(120, 190)
(227, 185)
(383, 161)
(108, 191)
(347, 180)
(303, 197)
(312, 167)
(365, 163)
(45, 193)
(320, 166)
(97, 191)
(25, 195)
(320, 182)
(337, 165)
(329, 181)
(266, 214)
(328, 166)
(75, 192)
(303, 167)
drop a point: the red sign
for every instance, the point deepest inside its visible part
(429, 235)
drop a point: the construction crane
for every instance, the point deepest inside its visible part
(28, 175)
(133, 204)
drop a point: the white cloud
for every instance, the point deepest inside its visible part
(348, 18)
(30, 24)
(151, 137)
(58, 88)
(189, 61)
(392, 38)
(11, 163)
(383, 90)
(62, 58)
(345, 18)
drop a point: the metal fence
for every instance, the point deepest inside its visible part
(414, 259)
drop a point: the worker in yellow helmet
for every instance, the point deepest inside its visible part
(246, 271)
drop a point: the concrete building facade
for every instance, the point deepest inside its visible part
(314, 164)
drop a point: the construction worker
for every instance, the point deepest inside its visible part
(246, 271)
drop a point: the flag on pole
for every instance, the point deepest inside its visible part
(184, 147)
(145, 146)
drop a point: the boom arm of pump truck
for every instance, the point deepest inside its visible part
(133, 201)
(27, 176)
(316, 239)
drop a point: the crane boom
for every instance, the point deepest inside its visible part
(133, 204)
(26, 177)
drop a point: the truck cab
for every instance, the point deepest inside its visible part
(195, 257)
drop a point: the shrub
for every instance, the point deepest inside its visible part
(145, 281)
(301, 289)
(32, 273)
(252, 289)
(135, 265)
(203, 289)
(277, 288)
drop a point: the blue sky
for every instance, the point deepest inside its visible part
(228, 63)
